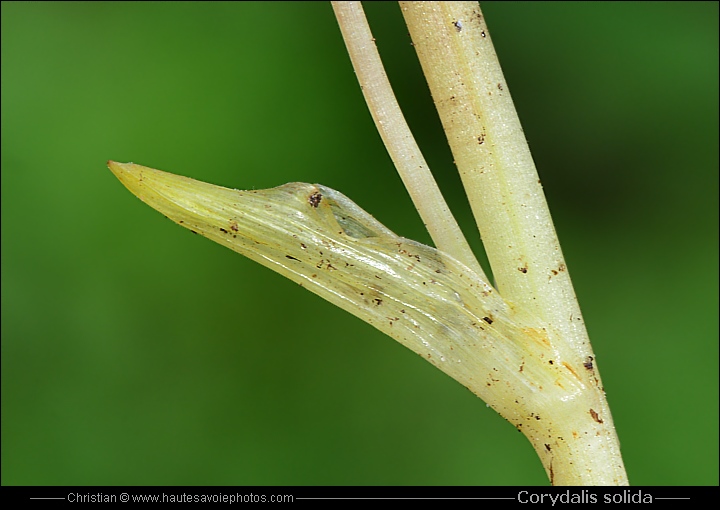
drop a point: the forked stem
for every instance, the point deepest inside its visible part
(525, 352)
(576, 440)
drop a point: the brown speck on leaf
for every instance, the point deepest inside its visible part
(234, 227)
(547, 447)
(223, 231)
(315, 199)
(588, 363)
(291, 258)
(457, 25)
(488, 320)
(302, 245)
(595, 416)
(500, 87)
(378, 301)
(522, 269)
(482, 33)
(481, 139)
(193, 232)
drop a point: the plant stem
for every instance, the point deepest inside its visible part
(398, 139)
(524, 350)
(494, 161)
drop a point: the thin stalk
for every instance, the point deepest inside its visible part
(499, 175)
(398, 139)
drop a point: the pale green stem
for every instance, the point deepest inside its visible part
(492, 155)
(529, 356)
(398, 139)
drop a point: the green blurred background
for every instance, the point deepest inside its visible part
(134, 352)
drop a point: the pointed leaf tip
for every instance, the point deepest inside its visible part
(113, 165)
(124, 172)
